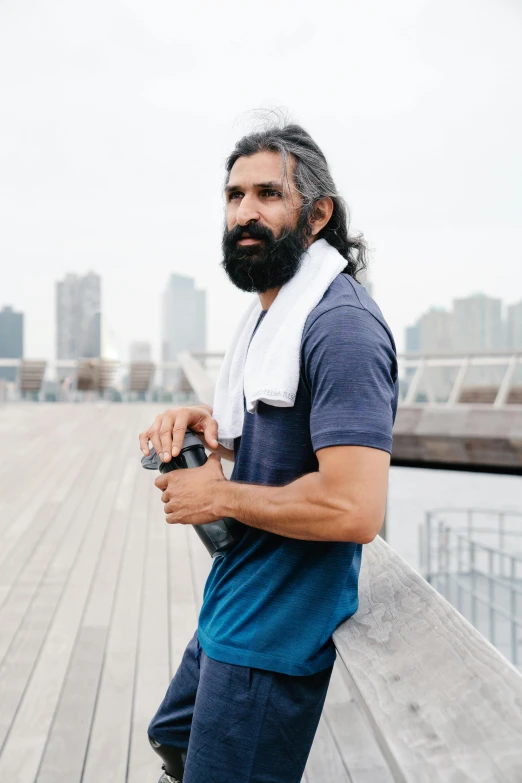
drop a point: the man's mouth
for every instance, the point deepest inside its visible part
(247, 241)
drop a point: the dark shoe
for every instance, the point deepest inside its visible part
(173, 759)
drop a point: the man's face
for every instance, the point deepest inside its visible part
(263, 239)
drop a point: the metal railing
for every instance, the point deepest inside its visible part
(492, 379)
(445, 380)
(473, 557)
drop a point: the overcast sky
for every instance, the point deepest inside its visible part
(116, 117)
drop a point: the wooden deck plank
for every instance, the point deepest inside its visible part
(353, 736)
(48, 463)
(25, 433)
(25, 743)
(69, 735)
(19, 515)
(25, 552)
(26, 566)
(19, 662)
(12, 452)
(64, 751)
(152, 670)
(29, 451)
(325, 762)
(108, 748)
(183, 610)
(27, 615)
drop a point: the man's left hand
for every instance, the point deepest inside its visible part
(188, 494)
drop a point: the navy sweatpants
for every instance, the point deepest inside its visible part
(240, 725)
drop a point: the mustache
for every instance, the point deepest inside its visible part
(253, 231)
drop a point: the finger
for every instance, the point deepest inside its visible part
(165, 497)
(211, 433)
(177, 432)
(154, 434)
(165, 435)
(144, 442)
(161, 482)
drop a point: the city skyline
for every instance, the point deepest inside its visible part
(431, 331)
(477, 323)
(123, 346)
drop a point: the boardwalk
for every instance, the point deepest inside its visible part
(98, 598)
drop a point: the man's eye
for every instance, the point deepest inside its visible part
(270, 193)
(234, 196)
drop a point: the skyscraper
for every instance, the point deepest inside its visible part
(11, 340)
(432, 332)
(478, 324)
(514, 327)
(78, 316)
(184, 321)
(413, 338)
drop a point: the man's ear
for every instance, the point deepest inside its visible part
(323, 210)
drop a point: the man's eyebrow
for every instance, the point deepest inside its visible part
(268, 185)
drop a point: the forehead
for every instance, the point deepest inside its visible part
(260, 167)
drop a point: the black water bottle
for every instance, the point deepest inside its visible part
(219, 536)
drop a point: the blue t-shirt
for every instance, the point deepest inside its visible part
(273, 602)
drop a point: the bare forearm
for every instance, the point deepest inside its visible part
(303, 509)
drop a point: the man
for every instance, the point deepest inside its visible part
(309, 485)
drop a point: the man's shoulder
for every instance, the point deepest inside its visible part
(345, 292)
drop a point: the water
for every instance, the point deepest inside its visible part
(413, 491)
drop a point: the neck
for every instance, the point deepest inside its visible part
(268, 297)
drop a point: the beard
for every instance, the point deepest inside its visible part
(270, 263)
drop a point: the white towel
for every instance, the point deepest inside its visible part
(269, 369)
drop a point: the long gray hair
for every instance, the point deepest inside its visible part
(313, 181)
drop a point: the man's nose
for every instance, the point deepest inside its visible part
(247, 212)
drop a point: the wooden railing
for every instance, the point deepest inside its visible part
(443, 703)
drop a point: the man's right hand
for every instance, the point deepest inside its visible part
(168, 430)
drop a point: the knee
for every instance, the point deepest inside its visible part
(151, 731)
(155, 730)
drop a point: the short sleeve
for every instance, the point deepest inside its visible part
(350, 369)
